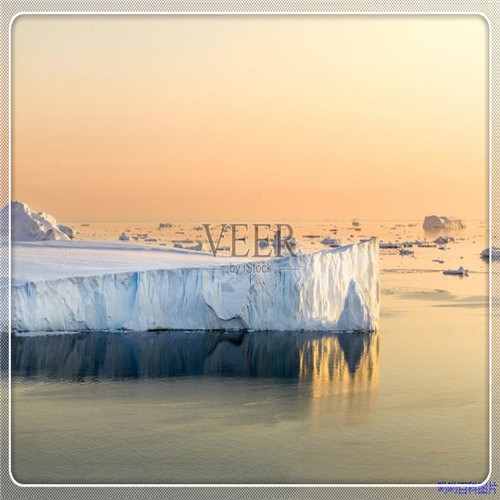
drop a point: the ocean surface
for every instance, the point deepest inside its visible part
(408, 404)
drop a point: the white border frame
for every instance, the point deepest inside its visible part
(261, 13)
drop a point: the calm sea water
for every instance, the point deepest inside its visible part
(408, 404)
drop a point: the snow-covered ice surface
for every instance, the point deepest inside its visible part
(53, 260)
(96, 286)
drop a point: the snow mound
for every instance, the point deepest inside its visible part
(333, 289)
(28, 225)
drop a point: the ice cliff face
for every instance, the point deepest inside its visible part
(28, 225)
(334, 289)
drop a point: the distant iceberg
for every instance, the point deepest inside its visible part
(442, 223)
(104, 286)
(28, 225)
(488, 255)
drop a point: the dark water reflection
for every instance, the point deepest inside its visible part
(347, 358)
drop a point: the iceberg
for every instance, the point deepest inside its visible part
(112, 286)
(28, 225)
(493, 254)
(442, 223)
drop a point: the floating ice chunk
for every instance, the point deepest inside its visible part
(188, 245)
(386, 245)
(438, 223)
(443, 240)
(493, 255)
(197, 247)
(124, 237)
(332, 242)
(457, 272)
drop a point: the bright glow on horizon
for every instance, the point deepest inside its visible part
(250, 117)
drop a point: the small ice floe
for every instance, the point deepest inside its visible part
(164, 225)
(442, 240)
(197, 247)
(124, 237)
(406, 251)
(439, 261)
(389, 245)
(188, 245)
(331, 242)
(494, 254)
(456, 272)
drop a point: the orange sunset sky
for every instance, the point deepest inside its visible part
(200, 117)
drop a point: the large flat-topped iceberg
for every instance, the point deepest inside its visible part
(86, 286)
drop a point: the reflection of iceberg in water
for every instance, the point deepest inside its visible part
(342, 373)
(331, 363)
(340, 364)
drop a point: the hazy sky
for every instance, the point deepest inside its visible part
(147, 118)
